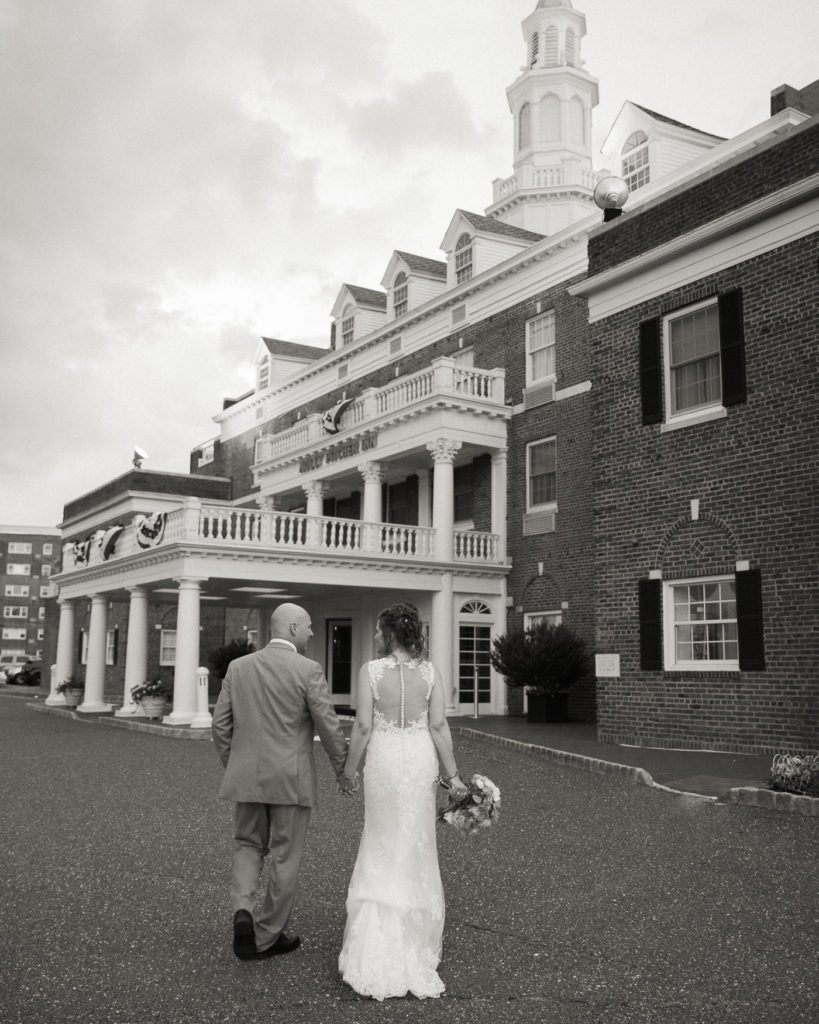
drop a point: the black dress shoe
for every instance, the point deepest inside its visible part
(244, 938)
(284, 944)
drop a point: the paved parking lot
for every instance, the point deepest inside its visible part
(594, 900)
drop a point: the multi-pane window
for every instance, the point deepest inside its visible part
(701, 624)
(531, 619)
(17, 547)
(167, 647)
(635, 161)
(15, 611)
(540, 348)
(45, 570)
(13, 633)
(541, 474)
(463, 259)
(348, 325)
(693, 358)
(400, 294)
(18, 569)
(16, 590)
(45, 591)
(111, 647)
(48, 549)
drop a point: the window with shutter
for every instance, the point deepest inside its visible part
(651, 634)
(700, 624)
(732, 347)
(749, 620)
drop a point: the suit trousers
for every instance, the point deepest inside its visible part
(259, 830)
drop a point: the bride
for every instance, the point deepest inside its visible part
(395, 902)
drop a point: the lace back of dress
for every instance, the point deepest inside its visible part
(401, 693)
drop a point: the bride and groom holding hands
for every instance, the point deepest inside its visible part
(271, 704)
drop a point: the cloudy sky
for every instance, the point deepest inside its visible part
(179, 178)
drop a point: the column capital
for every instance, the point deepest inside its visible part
(442, 449)
(266, 502)
(314, 488)
(189, 582)
(373, 472)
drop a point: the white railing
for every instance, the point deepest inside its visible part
(474, 546)
(442, 378)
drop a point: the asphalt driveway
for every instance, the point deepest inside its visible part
(594, 900)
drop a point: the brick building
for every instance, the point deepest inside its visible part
(451, 446)
(29, 556)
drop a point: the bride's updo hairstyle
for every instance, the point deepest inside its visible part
(401, 627)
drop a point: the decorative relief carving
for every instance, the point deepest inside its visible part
(442, 449)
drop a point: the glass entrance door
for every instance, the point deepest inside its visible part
(474, 669)
(340, 660)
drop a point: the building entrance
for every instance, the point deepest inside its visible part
(474, 669)
(340, 660)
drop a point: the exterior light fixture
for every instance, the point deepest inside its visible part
(610, 194)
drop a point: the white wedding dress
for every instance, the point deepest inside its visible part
(395, 902)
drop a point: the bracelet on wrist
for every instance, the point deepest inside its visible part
(452, 776)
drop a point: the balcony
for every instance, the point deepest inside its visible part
(443, 384)
(219, 529)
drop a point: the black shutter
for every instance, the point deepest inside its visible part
(116, 643)
(651, 377)
(732, 347)
(749, 620)
(651, 626)
(79, 647)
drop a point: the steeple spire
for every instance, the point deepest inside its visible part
(551, 103)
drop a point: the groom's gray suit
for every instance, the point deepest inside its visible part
(272, 702)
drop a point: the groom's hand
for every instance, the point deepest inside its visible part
(347, 786)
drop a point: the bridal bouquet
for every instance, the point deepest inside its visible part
(478, 807)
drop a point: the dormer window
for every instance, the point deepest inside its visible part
(347, 325)
(534, 46)
(463, 259)
(399, 294)
(264, 374)
(635, 160)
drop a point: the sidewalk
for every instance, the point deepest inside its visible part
(704, 774)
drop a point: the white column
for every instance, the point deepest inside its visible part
(443, 452)
(442, 639)
(498, 521)
(136, 651)
(371, 511)
(65, 651)
(187, 653)
(94, 698)
(314, 491)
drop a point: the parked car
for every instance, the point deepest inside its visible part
(17, 671)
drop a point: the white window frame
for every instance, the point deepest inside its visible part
(547, 319)
(18, 569)
(463, 258)
(14, 633)
(400, 294)
(553, 618)
(110, 645)
(348, 326)
(48, 549)
(707, 409)
(636, 164)
(40, 634)
(45, 591)
(16, 590)
(552, 503)
(15, 611)
(41, 612)
(18, 547)
(167, 647)
(83, 646)
(45, 571)
(670, 661)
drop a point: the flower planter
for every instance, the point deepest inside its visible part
(547, 707)
(73, 698)
(153, 707)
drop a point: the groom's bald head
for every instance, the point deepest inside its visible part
(291, 622)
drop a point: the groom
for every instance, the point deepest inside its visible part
(263, 724)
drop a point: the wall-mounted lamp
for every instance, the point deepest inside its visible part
(610, 194)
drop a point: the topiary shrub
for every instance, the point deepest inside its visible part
(545, 659)
(223, 656)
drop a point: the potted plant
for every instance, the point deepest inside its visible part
(152, 697)
(546, 660)
(72, 690)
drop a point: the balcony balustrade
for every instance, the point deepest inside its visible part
(216, 527)
(442, 379)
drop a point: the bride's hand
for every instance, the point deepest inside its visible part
(348, 786)
(457, 785)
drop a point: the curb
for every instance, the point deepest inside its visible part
(174, 732)
(745, 795)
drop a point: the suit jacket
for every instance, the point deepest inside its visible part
(272, 703)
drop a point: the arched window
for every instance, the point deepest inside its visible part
(550, 118)
(463, 259)
(525, 127)
(347, 324)
(550, 49)
(534, 46)
(635, 169)
(577, 121)
(571, 47)
(399, 293)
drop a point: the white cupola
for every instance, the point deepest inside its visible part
(551, 104)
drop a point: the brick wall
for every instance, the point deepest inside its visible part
(754, 473)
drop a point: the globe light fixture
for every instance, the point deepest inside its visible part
(610, 194)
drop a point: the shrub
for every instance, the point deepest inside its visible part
(545, 659)
(793, 773)
(152, 688)
(223, 656)
(72, 683)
